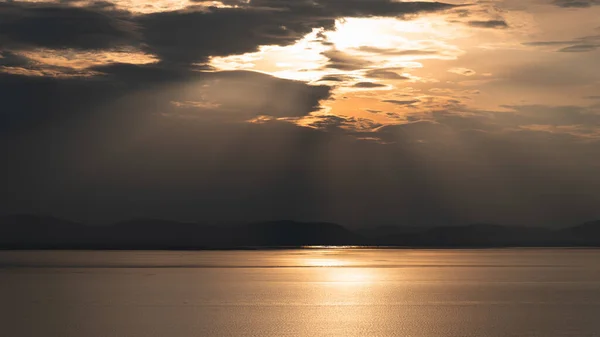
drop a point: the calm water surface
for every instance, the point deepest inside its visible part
(311, 292)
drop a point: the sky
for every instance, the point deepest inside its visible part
(361, 112)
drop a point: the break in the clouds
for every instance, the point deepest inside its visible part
(357, 111)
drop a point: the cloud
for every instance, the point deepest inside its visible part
(462, 71)
(550, 115)
(339, 123)
(336, 78)
(580, 131)
(396, 52)
(24, 25)
(385, 73)
(552, 73)
(194, 36)
(251, 93)
(415, 49)
(549, 43)
(578, 45)
(576, 3)
(344, 61)
(184, 36)
(10, 59)
(69, 62)
(499, 24)
(201, 105)
(401, 102)
(368, 85)
(29, 101)
(580, 48)
(348, 8)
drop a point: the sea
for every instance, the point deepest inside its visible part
(314, 291)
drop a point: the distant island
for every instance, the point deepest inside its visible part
(40, 232)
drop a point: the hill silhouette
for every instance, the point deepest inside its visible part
(41, 232)
(291, 233)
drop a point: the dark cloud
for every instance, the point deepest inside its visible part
(396, 52)
(151, 74)
(179, 38)
(579, 45)
(252, 94)
(549, 43)
(462, 71)
(10, 59)
(187, 36)
(576, 3)
(580, 48)
(369, 85)
(488, 24)
(336, 78)
(344, 61)
(463, 13)
(29, 101)
(24, 25)
(353, 8)
(338, 123)
(385, 73)
(194, 36)
(401, 102)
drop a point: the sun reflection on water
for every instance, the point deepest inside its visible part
(323, 262)
(331, 268)
(350, 276)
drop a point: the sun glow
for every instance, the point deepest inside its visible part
(380, 70)
(379, 32)
(359, 44)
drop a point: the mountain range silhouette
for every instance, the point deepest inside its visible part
(25, 231)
